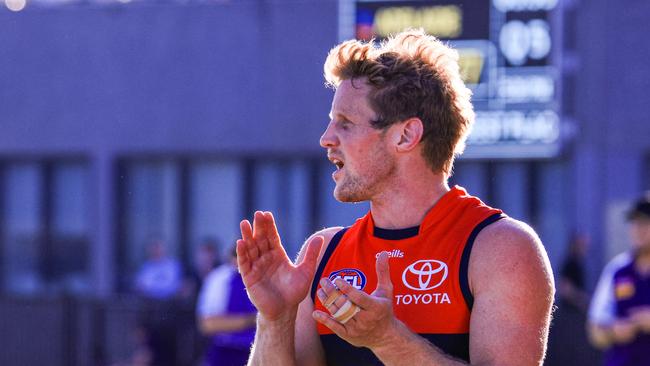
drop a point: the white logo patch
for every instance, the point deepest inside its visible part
(395, 253)
(425, 274)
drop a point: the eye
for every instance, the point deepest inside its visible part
(345, 124)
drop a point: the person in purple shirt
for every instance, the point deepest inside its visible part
(619, 315)
(226, 315)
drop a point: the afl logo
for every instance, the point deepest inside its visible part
(352, 276)
(425, 274)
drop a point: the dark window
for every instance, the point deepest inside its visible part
(44, 237)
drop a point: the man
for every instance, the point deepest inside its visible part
(159, 277)
(399, 287)
(159, 281)
(619, 316)
(226, 315)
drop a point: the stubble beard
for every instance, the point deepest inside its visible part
(351, 190)
(355, 188)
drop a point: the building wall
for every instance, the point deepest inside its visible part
(608, 162)
(239, 84)
(158, 77)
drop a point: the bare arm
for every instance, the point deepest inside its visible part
(296, 332)
(309, 350)
(511, 280)
(209, 325)
(512, 283)
(605, 327)
(620, 331)
(274, 341)
(275, 286)
(286, 333)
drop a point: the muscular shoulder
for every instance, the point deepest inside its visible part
(327, 234)
(513, 289)
(509, 252)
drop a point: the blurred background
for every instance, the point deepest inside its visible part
(132, 130)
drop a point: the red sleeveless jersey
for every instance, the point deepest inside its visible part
(428, 267)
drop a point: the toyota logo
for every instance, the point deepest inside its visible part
(423, 274)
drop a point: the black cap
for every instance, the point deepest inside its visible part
(640, 208)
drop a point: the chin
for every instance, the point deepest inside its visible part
(348, 197)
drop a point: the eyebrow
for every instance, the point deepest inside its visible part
(344, 113)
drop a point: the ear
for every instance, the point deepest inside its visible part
(411, 131)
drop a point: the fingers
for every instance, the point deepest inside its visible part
(336, 321)
(327, 293)
(265, 232)
(328, 321)
(331, 298)
(261, 236)
(243, 263)
(358, 297)
(249, 245)
(346, 311)
(310, 259)
(384, 284)
(246, 230)
(260, 230)
(272, 235)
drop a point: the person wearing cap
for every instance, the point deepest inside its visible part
(619, 315)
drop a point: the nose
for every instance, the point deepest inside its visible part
(328, 138)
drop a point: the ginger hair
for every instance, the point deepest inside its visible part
(411, 74)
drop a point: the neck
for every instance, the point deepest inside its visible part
(406, 204)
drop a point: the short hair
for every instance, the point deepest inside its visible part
(412, 74)
(640, 208)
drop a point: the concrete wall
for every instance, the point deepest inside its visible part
(237, 76)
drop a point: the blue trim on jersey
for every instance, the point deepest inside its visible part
(338, 352)
(323, 262)
(464, 260)
(395, 234)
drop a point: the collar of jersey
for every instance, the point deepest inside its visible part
(436, 213)
(395, 234)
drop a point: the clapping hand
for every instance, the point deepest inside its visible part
(274, 284)
(374, 322)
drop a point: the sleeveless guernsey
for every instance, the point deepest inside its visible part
(428, 266)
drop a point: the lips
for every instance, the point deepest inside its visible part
(339, 164)
(336, 161)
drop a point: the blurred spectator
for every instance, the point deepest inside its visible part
(159, 281)
(159, 276)
(205, 259)
(572, 291)
(567, 342)
(226, 315)
(619, 316)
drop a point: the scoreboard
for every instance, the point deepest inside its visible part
(509, 57)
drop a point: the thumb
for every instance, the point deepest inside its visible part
(310, 257)
(384, 284)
